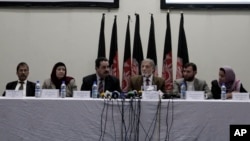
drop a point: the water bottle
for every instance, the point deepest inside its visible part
(63, 90)
(37, 89)
(94, 90)
(183, 90)
(223, 92)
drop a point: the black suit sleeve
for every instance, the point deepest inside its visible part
(242, 89)
(10, 86)
(112, 84)
(117, 85)
(30, 89)
(215, 89)
(87, 83)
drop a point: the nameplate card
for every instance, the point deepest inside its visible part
(81, 94)
(149, 88)
(50, 93)
(150, 95)
(14, 94)
(240, 96)
(195, 95)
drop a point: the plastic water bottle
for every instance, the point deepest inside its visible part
(223, 92)
(37, 89)
(183, 91)
(63, 90)
(94, 90)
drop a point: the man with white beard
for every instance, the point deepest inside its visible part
(147, 77)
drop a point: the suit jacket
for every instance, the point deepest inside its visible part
(137, 81)
(30, 87)
(48, 84)
(199, 85)
(111, 83)
(216, 91)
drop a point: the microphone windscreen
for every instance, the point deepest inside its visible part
(131, 93)
(108, 94)
(115, 94)
(102, 95)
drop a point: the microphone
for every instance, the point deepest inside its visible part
(102, 95)
(139, 93)
(115, 94)
(161, 94)
(107, 94)
(132, 94)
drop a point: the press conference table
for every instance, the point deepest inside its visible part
(68, 119)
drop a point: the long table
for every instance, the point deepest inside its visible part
(68, 119)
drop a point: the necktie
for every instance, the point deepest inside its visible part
(21, 87)
(147, 82)
(101, 88)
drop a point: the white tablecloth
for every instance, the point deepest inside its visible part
(68, 119)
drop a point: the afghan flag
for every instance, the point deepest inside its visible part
(167, 66)
(113, 54)
(151, 45)
(101, 48)
(127, 60)
(137, 49)
(182, 55)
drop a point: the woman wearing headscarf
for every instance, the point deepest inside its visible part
(58, 75)
(226, 76)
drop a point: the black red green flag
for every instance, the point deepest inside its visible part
(182, 55)
(101, 48)
(126, 60)
(137, 48)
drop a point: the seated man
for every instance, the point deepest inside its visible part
(22, 83)
(102, 78)
(192, 83)
(147, 77)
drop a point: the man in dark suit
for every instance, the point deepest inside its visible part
(102, 78)
(147, 77)
(22, 83)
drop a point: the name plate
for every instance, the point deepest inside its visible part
(195, 95)
(81, 94)
(150, 95)
(13, 94)
(50, 93)
(149, 88)
(240, 96)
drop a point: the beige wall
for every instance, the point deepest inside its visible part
(42, 37)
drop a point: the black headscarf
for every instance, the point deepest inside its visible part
(57, 81)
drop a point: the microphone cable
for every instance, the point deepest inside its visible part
(138, 119)
(121, 109)
(104, 105)
(154, 121)
(130, 122)
(136, 116)
(113, 118)
(103, 130)
(168, 128)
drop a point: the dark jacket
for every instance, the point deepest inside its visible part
(30, 87)
(216, 91)
(111, 83)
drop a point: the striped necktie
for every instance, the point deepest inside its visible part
(101, 87)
